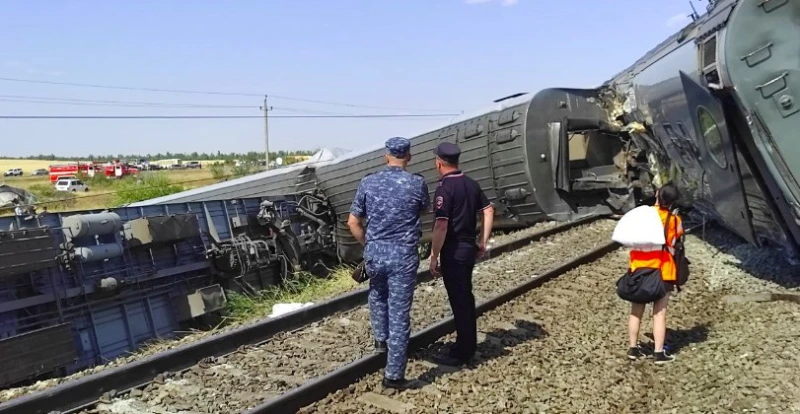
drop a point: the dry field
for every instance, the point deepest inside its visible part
(96, 197)
(29, 165)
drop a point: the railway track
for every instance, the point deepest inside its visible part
(320, 389)
(561, 348)
(243, 368)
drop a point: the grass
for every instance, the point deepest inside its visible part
(30, 165)
(144, 187)
(103, 192)
(108, 193)
(301, 288)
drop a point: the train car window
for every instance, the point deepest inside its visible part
(709, 53)
(712, 137)
(708, 60)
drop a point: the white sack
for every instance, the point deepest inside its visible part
(279, 309)
(640, 227)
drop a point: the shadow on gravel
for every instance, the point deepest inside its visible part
(677, 339)
(767, 263)
(496, 344)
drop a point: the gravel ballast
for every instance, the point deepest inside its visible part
(561, 348)
(11, 393)
(247, 378)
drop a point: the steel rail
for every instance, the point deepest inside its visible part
(321, 387)
(83, 393)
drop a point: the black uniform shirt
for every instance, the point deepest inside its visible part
(458, 199)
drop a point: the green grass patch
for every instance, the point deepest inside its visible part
(55, 199)
(302, 287)
(144, 187)
(218, 171)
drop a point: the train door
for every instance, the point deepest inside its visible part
(719, 158)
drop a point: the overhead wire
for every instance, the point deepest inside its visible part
(102, 102)
(183, 91)
(139, 104)
(360, 116)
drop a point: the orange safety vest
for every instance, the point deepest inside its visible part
(657, 257)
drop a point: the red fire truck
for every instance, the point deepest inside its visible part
(113, 169)
(71, 169)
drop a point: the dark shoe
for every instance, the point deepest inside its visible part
(380, 346)
(662, 358)
(398, 384)
(635, 353)
(449, 360)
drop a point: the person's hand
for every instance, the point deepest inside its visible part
(481, 249)
(434, 267)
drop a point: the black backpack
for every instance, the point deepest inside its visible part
(681, 261)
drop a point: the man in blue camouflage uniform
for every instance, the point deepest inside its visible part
(392, 201)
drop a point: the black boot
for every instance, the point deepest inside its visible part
(398, 384)
(449, 360)
(380, 346)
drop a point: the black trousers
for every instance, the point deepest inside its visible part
(457, 275)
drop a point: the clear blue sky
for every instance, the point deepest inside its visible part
(415, 54)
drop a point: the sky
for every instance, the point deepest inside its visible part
(436, 57)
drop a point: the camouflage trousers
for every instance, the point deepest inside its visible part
(392, 278)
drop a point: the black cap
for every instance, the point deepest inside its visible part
(448, 152)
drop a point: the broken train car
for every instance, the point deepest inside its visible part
(712, 108)
(81, 288)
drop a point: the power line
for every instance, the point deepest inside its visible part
(131, 88)
(138, 104)
(359, 116)
(95, 104)
(114, 102)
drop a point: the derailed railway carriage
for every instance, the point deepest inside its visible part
(81, 288)
(712, 108)
(553, 157)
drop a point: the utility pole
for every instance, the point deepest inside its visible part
(266, 132)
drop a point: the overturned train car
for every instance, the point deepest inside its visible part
(713, 108)
(553, 157)
(81, 288)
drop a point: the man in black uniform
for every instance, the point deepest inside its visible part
(457, 202)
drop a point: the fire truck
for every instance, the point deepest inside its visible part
(113, 169)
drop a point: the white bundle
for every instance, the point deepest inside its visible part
(640, 227)
(279, 309)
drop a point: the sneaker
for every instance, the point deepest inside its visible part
(380, 347)
(635, 353)
(662, 358)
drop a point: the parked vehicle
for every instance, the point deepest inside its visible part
(61, 171)
(14, 172)
(40, 171)
(193, 165)
(71, 184)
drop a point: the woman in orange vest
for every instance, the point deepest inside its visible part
(662, 259)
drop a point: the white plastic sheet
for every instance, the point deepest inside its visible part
(279, 309)
(640, 227)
